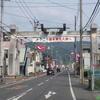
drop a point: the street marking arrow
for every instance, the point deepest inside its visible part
(50, 93)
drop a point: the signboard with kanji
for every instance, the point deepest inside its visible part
(54, 39)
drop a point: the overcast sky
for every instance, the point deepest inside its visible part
(49, 12)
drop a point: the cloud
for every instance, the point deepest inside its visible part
(47, 15)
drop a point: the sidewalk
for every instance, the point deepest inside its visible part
(13, 79)
(82, 92)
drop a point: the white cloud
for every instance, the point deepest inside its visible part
(48, 15)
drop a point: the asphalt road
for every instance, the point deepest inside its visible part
(57, 87)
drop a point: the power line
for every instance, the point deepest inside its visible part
(52, 2)
(10, 32)
(40, 6)
(29, 10)
(47, 6)
(23, 11)
(93, 15)
(36, 21)
(74, 3)
(12, 14)
(78, 12)
(26, 12)
(41, 20)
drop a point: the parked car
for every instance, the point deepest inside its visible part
(50, 71)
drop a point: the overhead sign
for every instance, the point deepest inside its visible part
(54, 39)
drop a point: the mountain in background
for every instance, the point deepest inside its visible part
(61, 51)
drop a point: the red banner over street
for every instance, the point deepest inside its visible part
(54, 39)
(40, 47)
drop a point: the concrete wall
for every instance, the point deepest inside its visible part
(13, 65)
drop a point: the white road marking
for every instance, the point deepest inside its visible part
(40, 84)
(53, 93)
(71, 89)
(21, 95)
(12, 98)
(21, 81)
(47, 80)
(50, 93)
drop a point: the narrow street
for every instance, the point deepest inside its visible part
(49, 50)
(57, 87)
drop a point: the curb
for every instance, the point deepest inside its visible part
(20, 81)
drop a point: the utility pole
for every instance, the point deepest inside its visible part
(34, 26)
(1, 40)
(74, 55)
(75, 41)
(75, 48)
(75, 23)
(81, 49)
